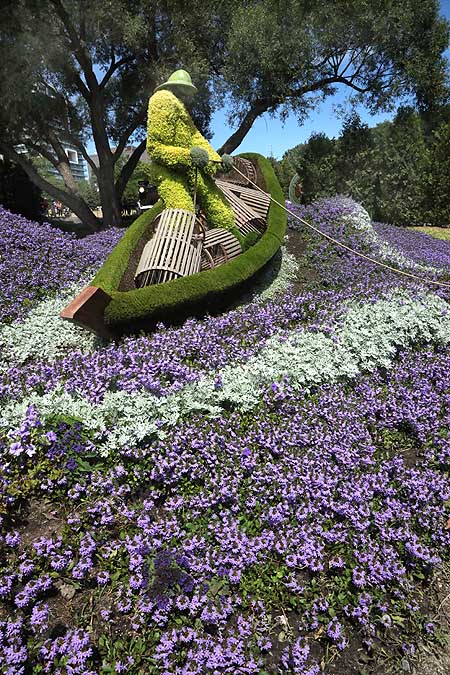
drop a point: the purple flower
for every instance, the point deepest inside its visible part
(103, 578)
(12, 539)
(359, 578)
(39, 618)
(334, 630)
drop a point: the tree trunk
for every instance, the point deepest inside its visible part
(236, 139)
(111, 206)
(80, 209)
(67, 176)
(73, 201)
(129, 167)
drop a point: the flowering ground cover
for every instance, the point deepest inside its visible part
(38, 260)
(264, 491)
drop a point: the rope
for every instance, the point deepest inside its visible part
(347, 248)
(195, 188)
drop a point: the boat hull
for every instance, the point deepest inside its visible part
(108, 310)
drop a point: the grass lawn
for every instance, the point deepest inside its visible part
(437, 232)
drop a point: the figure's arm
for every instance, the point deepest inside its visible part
(201, 142)
(162, 119)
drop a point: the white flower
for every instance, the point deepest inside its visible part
(43, 334)
(368, 338)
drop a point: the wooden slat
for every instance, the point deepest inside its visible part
(214, 236)
(258, 201)
(173, 251)
(220, 245)
(183, 245)
(222, 236)
(247, 219)
(207, 260)
(247, 168)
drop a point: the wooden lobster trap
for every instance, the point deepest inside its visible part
(247, 218)
(174, 250)
(246, 167)
(182, 243)
(219, 247)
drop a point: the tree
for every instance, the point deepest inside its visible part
(17, 193)
(78, 70)
(438, 183)
(316, 167)
(284, 171)
(288, 56)
(72, 71)
(354, 141)
(399, 162)
(387, 169)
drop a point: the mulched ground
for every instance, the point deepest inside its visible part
(127, 281)
(434, 659)
(307, 275)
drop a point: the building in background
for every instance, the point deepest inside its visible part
(77, 162)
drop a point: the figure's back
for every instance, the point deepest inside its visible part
(168, 121)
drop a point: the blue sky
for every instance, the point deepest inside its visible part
(271, 137)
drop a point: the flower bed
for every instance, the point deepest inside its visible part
(37, 260)
(258, 492)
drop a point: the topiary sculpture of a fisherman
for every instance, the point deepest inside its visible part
(177, 149)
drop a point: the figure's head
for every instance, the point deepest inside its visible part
(180, 84)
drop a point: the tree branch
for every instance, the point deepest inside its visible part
(74, 202)
(321, 84)
(263, 105)
(128, 168)
(352, 85)
(32, 172)
(78, 47)
(57, 146)
(258, 108)
(45, 152)
(355, 54)
(85, 92)
(137, 120)
(114, 66)
(83, 151)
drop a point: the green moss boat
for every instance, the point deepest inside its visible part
(112, 305)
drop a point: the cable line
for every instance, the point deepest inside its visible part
(347, 248)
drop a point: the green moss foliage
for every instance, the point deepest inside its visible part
(168, 119)
(250, 240)
(199, 293)
(111, 273)
(176, 147)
